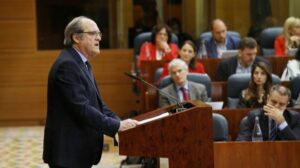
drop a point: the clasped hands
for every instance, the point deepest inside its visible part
(274, 113)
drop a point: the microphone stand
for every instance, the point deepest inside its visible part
(180, 106)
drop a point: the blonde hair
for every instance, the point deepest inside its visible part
(289, 23)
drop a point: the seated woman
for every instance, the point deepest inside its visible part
(290, 37)
(259, 85)
(160, 47)
(188, 54)
(292, 68)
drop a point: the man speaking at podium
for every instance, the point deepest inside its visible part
(77, 117)
(181, 88)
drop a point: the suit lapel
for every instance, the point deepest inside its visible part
(173, 92)
(192, 92)
(84, 70)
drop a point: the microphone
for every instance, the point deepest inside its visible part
(180, 106)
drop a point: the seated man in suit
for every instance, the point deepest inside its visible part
(276, 122)
(181, 88)
(219, 41)
(242, 63)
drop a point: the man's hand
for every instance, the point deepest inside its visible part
(127, 124)
(274, 113)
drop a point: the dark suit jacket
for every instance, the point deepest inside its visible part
(291, 132)
(197, 91)
(228, 67)
(232, 43)
(77, 117)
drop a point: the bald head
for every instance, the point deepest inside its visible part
(219, 30)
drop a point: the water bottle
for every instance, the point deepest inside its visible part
(257, 134)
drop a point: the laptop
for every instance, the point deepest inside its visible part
(229, 53)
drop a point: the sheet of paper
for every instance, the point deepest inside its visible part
(216, 105)
(154, 118)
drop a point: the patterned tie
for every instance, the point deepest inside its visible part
(184, 93)
(273, 129)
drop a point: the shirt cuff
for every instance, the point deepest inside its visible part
(282, 125)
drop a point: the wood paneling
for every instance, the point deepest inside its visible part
(110, 65)
(17, 9)
(24, 69)
(271, 154)
(18, 35)
(235, 14)
(22, 102)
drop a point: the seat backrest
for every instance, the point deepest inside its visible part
(295, 88)
(220, 127)
(267, 39)
(195, 77)
(238, 82)
(143, 37)
(243, 127)
(157, 73)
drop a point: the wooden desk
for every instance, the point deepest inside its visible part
(273, 154)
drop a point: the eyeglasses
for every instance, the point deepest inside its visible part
(93, 33)
(162, 34)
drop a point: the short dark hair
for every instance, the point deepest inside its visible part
(247, 42)
(158, 28)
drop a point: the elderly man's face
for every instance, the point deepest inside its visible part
(89, 43)
(179, 75)
(247, 56)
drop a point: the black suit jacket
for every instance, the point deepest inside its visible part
(228, 67)
(291, 132)
(77, 117)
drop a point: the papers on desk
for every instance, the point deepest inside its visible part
(154, 118)
(216, 105)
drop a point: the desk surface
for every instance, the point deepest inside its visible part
(272, 154)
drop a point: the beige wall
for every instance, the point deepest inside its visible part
(294, 8)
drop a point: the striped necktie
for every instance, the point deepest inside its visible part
(184, 93)
(273, 129)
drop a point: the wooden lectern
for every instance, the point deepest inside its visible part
(185, 137)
